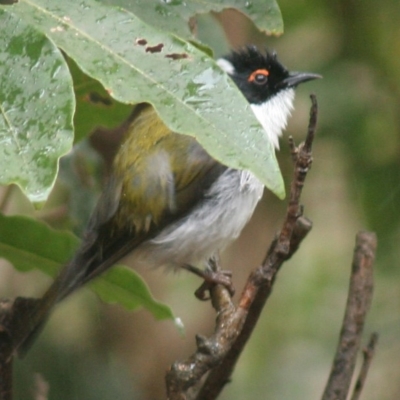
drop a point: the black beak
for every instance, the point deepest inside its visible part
(295, 78)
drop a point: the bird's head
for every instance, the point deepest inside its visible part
(267, 85)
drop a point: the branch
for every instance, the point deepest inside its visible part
(6, 354)
(220, 352)
(358, 302)
(368, 354)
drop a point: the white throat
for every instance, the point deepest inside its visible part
(274, 113)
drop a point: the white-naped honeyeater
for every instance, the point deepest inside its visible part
(167, 202)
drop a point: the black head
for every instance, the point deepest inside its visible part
(259, 75)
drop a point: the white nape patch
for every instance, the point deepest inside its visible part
(274, 113)
(226, 66)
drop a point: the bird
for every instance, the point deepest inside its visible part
(167, 202)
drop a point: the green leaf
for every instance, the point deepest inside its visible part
(137, 63)
(36, 107)
(94, 106)
(115, 286)
(174, 15)
(29, 244)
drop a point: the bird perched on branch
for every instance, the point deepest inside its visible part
(167, 202)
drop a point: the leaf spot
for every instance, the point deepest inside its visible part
(154, 49)
(177, 56)
(141, 42)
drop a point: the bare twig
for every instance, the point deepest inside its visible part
(234, 327)
(183, 375)
(6, 351)
(368, 354)
(255, 294)
(358, 302)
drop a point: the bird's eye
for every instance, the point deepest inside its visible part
(259, 76)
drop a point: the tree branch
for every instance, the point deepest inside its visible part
(220, 352)
(358, 302)
(368, 354)
(6, 353)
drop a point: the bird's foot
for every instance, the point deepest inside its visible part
(211, 278)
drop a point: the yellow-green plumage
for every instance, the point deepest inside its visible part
(157, 169)
(157, 177)
(167, 202)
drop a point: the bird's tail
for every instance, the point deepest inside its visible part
(30, 315)
(28, 318)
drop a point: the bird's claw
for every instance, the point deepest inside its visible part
(211, 279)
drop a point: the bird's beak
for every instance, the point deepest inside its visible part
(295, 78)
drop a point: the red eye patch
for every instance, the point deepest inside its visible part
(259, 75)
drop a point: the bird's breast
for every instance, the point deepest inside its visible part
(210, 226)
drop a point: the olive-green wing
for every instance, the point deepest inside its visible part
(158, 177)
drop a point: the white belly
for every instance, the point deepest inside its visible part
(219, 219)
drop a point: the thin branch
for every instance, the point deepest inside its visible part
(358, 302)
(183, 375)
(368, 354)
(255, 294)
(220, 352)
(6, 352)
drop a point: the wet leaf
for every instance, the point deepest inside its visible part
(36, 107)
(133, 62)
(174, 15)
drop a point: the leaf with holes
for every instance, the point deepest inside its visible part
(137, 63)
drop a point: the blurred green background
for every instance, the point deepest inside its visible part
(94, 351)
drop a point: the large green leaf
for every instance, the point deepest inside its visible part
(30, 244)
(36, 107)
(174, 15)
(137, 63)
